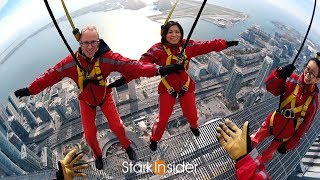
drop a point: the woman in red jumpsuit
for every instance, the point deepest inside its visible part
(177, 85)
(299, 104)
(98, 61)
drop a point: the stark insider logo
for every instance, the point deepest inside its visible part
(158, 167)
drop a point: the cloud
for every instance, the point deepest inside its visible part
(301, 10)
(3, 3)
(30, 16)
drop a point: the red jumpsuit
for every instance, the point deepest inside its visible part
(251, 167)
(285, 127)
(157, 55)
(93, 94)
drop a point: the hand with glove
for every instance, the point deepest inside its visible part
(22, 92)
(67, 167)
(168, 69)
(282, 149)
(286, 71)
(117, 83)
(232, 43)
(234, 140)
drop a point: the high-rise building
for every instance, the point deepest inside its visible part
(264, 72)
(12, 111)
(4, 127)
(115, 96)
(30, 157)
(227, 62)
(60, 108)
(214, 67)
(74, 103)
(132, 90)
(234, 84)
(20, 130)
(253, 95)
(31, 119)
(14, 101)
(42, 112)
(48, 158)
(13, 154)
(15, 140)
(9, 167)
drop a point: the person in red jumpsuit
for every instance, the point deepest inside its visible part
(236, 142)
(177, 85)
(98, 61)
(298, 106)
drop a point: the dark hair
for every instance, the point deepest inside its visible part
(165, 29)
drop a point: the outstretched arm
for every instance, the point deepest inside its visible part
(238, 145)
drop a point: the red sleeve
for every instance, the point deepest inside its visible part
(196, 48)
(304, 127)
(151, 55)
(251, 167)
(132, 69)
(275, 84)
(49, 78)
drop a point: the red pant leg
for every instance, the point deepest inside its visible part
(267, 154)
(189, 109)
(110, 111)
(262, 133)
(88, 115)
(166, 103)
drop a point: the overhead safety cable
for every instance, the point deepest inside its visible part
(191, 30)
(169, 15)
(75, 30)
(305, 37)
(62, 36)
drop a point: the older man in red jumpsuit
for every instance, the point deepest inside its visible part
(299, 104)
(98, 62)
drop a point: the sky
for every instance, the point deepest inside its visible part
(17, 17)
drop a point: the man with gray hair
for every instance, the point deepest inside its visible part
(98, 61)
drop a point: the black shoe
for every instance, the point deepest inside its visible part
(132, 155)
(99, 163)
(195, 131)
(153, 145)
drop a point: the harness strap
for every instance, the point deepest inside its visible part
(303, 109)
(168, 62)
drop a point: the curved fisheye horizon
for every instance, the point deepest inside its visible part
(41, 129)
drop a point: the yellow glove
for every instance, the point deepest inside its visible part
(69, 168)
(234, 140)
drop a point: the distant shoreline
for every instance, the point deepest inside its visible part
(110, 5)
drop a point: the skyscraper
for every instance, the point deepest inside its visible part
(3, 120)
(132, 90)
(13, 154)
(18, 128)
(264, 72)
(73, 102)
(30, 157)
(9, 167)
(42, 112)
(252, 97)
(48, 158)
(14, 101)
(15, 140)
(214, 67)
(60, 108)
(31, 119)
(234, 84)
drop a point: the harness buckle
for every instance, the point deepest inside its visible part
(287, 113)
(170, 91)
(185, 88)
